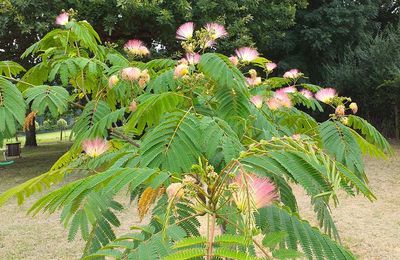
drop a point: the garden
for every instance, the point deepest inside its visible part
(200, 143)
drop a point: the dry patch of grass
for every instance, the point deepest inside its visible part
(371, 230)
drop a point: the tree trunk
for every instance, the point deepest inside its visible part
(61, 134)
(30, 134)
(396, 122)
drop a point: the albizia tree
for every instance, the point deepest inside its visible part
(207, 140)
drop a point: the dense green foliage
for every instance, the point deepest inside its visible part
(312, 35)
(372, 69)
(196, 138)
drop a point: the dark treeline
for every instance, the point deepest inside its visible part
(352, 45)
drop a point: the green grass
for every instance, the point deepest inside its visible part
(42, 138)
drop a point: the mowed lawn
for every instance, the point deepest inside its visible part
(371, 230)
(43, 138)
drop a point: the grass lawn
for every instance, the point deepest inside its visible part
(42, 138)
(371, 230)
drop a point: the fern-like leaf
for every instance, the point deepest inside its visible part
(314, 244)
(44, 97)
(173, 144)
(150, 109)
(12, 109)
(10, 68)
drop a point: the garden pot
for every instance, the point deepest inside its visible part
(14, 149)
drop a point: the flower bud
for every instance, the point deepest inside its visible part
(270, 66)
(340, 110)
(353, 106)
(253, 73)
(112, 81)
(133, 106)
(142, 83)
(130, 73)
(344, 120)
(234, 60)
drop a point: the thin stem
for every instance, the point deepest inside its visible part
(124, 137)
(77, 105)
(18, 80)
(267, 255)
(211, 237)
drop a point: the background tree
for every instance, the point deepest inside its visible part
(308, 34)
(371, 72)
(328, 34)
(257, 22)
(62, 124)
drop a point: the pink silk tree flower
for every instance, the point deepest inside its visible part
(62, 19)
(254, 81)
(210, 43)
(257, 101)
(274, 103)
(112, 81)
(95, 147)
(136, 47)
(216, 30)
(246, 54)
(234, 60)
(175, 190)
(286, 102)
(290, 89)
(325, 95)
(192, 58)
(292, 74)
(270, 66)
(261, 189)
(306, 93)
(131, 73)
(181, 70)
(283, 98)
(185, 31)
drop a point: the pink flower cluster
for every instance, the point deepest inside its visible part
(191, 58)
(62, 19)
(306, 93)
(292, 74)
(262, 191)
(326, 95)
(181, 70)
(136, 74)
(281, 98)
(257, 101)
(215, 31)
(270, 66)
(246, 54)
(185, 31)
(95, 147)
(136, 47)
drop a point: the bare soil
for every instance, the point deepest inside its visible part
(370, 229)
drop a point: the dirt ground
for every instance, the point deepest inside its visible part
(370, 230)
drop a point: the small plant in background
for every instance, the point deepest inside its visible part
(207, 146)
(47, 125)
(62, 125)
